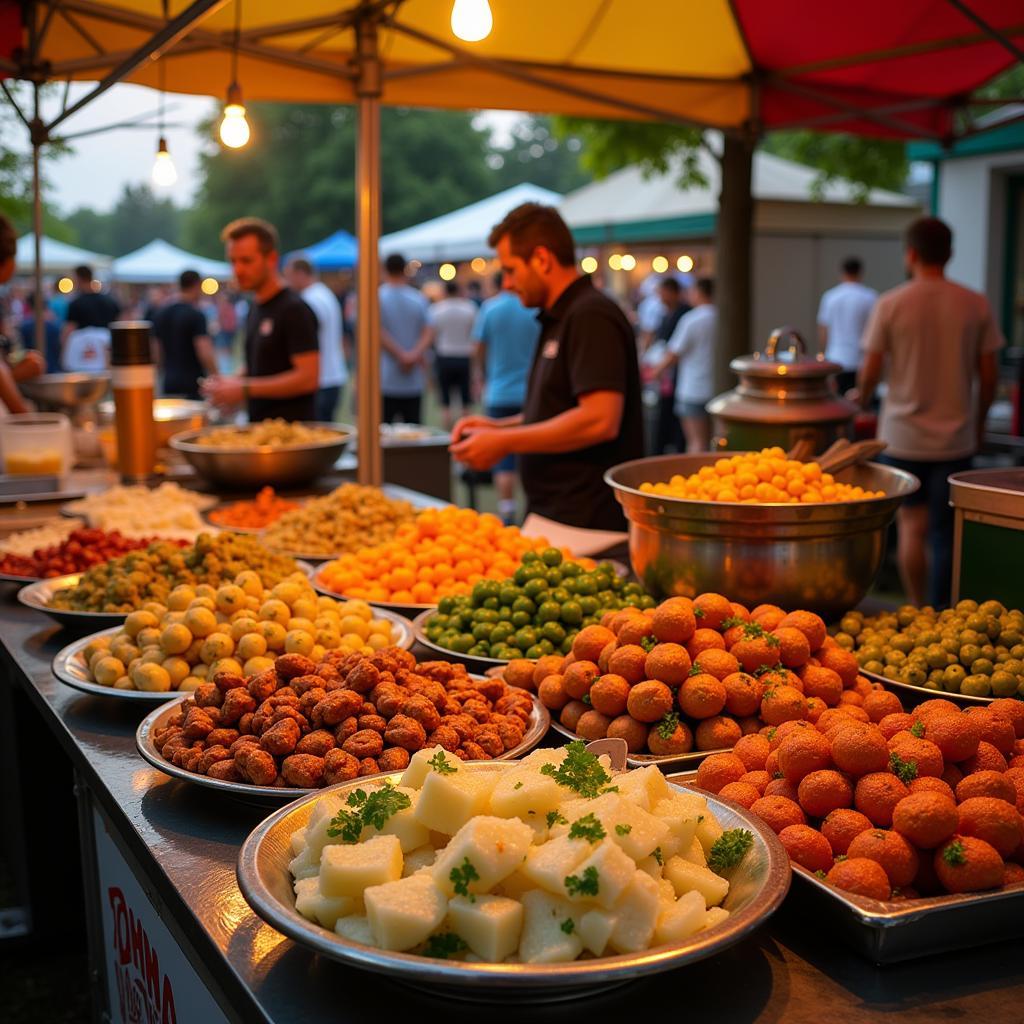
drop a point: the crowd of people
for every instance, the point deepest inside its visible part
(559, 365)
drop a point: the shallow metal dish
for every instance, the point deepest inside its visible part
(170, 417)
(8, 577)
(66, 392)
(158, 717)
(663, 761)
(758, 887)
(248, 468)
(471, 661)
(918, 694)
(822, 557)
(38, 596)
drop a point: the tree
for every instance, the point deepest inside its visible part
(299, 172)
(538, 155)
(138, 217)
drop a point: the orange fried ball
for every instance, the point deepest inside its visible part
(807, 847)
(1012, 710)
(822, 792)
(635, 630)
(711, 610)
(898, 858)
(704, 640)
(609, 694)
(967, 864)
(794, 648)
(742, 793)
(578, 678)
(627, 728)
(717, 733)
(995, 821)
(754, 652)
(649, 701)
(860, 751)
(802, 752)
(842, 826)
(861, 876)
(742, 694)
(590, 642)
(1013, 874)
(758, 779)
(781, 787)
(716, 663)
(843, 663)
(571, 713)
(986, 759)
(930, 785)
(783, 704)
(822, 682)
(552, 693)
(718, 770)
(702, 696)
(678, 741)
(673, 620)
(877, 795)
(753, 751)
(812, 626)
(627, 660)
(549, 665)
(956, 735)
(994, 784)
(898, 721)
(667, 662)
(777, 812)
(592, 725)
(994, 729)
(924, 755)
(925, 819)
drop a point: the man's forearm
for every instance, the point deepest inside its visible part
(569, 431)
(281, 385)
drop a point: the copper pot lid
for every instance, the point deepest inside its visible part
(792, 361)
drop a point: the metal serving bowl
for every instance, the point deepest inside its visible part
(66, 392)
(250, 468)
(822, 557)
(170, 416)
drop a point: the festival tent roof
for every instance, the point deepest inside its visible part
(58, 257)
(339, 251)
(462, 234)
(159, 262)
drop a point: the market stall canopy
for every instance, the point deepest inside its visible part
(159, 262)
(629, 205)
(339, 251)
(58, 257)
(883, 68)
(462, 234)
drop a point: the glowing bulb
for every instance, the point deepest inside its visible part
(615, 261)
(628, 262)
(165, 174)
(588, 264)
(472, 20)
(446, 272)
(685, 264)
(234, 129)
(478, 265)
(65, 286)
(210, 286)
(659, 264)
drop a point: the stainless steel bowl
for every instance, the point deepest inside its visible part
(170, 416)
(254, 467)
(66, 392)
(822, 557)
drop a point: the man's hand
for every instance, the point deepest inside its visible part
(223, 391)
(468, 424)
(30, 365)
(481, 449)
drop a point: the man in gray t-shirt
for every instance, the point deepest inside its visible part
(937, 342)
(405, 336)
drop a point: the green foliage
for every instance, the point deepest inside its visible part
(138, 217)
(540, 155)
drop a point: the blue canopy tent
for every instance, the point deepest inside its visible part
(339, 251)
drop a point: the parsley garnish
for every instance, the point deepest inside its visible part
(580, 771)
(623, 830)
(955, 853)
(771, 733)
(588, 885)
(658, 855)
(554, 818)
(695, 670)
(444, 945)
(588, 827)
(763, 670)
(698, 613)
(373, 809)
(729, 849)
(905, 771)
(586, 699)
(648, 643)
(917, 729)
(568, 926)
(518, 785)
(733, 620)
(839, 857)
(461, 876)
(820, 874)
(440, 765)
(667, 726)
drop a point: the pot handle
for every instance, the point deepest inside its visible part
(792, 335)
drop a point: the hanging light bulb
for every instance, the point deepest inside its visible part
(165, 174)
(472, 20)
(234, 128)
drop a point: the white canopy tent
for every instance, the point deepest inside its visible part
(58, 257)
(159, 262)
(462, 234)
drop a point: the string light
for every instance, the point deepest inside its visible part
(588, 264)
(234, 128)
(478, 265)
(164, 173)
(446, 272)
(472, 20)
(615, 261)
(685, 264)
(659, 264)
(628, 262)
(210, 286)
(65, 286)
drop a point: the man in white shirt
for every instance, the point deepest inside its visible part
(938, 343)
(842, 316)
(692, 346)
(452, 321)
(327, 310)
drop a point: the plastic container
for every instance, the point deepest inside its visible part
(37, 444)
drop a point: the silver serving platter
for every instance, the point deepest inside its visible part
(757, 889)
(923, 693)
(9, 577)
(470, 660)
(158, 717)
(69, 663)
(73, 510)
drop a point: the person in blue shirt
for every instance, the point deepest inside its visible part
(506, 334)
(51, 334)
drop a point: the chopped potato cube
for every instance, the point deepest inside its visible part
(490, 925)
(411, 833)
(418, 859)
(355, 928)
(680, 919)
(715, 915)
(517, 793)
(298, 841)
(546, 939)
(636, 914)
(346, 870)
(596, 927)
(708, 832)
(447, 802)
(319, 822)
(547, 866)
(686, 877)
(302, 866)
(644, 786)
(495, 847)
(325, 910)
(695, 853)
(615, 871)
(419, 766)
(403, 913)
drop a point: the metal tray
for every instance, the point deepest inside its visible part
(663, 761)
(472, 661)
(535, 732)
(758, 887)
(38, 596)
(9, 577)
(410, 611)
(919, 694)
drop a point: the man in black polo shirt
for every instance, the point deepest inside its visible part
(184, 348)
(582, 413)
(282, 371)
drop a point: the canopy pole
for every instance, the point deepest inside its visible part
(37, 130)
(368, 398)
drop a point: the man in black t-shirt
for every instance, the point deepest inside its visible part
(89, 308)
(184, 348)
(582, 413)
(282, 353)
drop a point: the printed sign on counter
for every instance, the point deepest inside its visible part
(149, 979)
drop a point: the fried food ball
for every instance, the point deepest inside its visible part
(968, 864)
(753, 751)
(783, 704)
(957, 736)
(609, 694)
(778, 812)
(877, 795)
(991, 819)
(394, 759)
(742, 694)
(519, 672)
(306, 771)
(842, 826)
(669, 663)
(711, 610)
(628, 661)
(1013, 874)
(649, 701)
(717, 663)
(592, 725)
(552, 693)
(802, 752)
(812, 626)
(860, 751)
(717, 733)
(815, 707)
(995, 730)
(741, 793)
(842, 662)
(550, 664)
(665, 741)
(861, 876)
(781, 787)
(1012, 710)
(821, 792)
(758, 779)
(1016, 776)
(822, 682)
(898, 858)
(923, 753)
(674, 621)
(987, 759)
(627, 728)
(702, 696)
(570, 714)
(889, 725)
(704, 640)
(767, 616)
(931, 785)
(578, 678)
(794, 649)
(754, 652)
(718, 770)
(925, 819)
(806, 846)
(935, 706)
(590, 642)
(776, 734)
